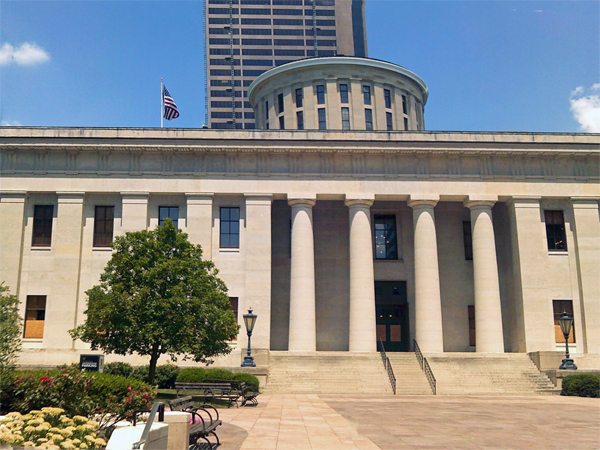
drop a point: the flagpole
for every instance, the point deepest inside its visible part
(162, 102)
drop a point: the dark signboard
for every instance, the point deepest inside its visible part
(92, 363)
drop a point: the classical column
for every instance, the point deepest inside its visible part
(199, 220)
(587, 252)
(428, 301)
(303, 334)
(529, 260)
(65, 302)
(363, 337)
(488, 311)
(257, 294)
(12, 224)
(135, 211)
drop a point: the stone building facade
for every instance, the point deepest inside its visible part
(335, 230)
(338, 239)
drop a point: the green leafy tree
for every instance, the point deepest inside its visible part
(158, 296)
(10, 329)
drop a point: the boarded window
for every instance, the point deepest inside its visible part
(559, 306)
(35, 314)
(472, 325)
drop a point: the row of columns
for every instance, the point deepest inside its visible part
(428, 305)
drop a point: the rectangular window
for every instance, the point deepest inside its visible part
(42, 225)
(322, 120)
(279, 103)
(281, 123)
(404, 105)
(389, 121)
(386, 244)
(367, 94)
(344, 93)
(387, 95)
(321, 94)
(234, 306)
(104, 219)
(170, 212)
(267, 111)
(559, 306)
(406, 123)
(300, 119)
(555, 230)
(299, 97)
(468, 241)
(35, 314)
(471, 325)
(345, 118)
(230, 228)
(369, 119)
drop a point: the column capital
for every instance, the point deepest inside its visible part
(199, 195)
(358, 202)
(70, 196)
(309, 202)
(258, 198)
(423, 201)
(525, 201)
(480, 201)
(13, 196)
(135, 196)
(585, 202)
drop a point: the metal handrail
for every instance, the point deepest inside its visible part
(388, 367)
(425, 367)
(159, 408)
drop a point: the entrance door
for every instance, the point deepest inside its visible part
(392, 316)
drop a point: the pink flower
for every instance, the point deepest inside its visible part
(128, 388)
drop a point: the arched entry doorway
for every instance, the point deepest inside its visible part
(391, 307)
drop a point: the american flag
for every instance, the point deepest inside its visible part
(170, 106)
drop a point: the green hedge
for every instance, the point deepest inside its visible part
(581, 385)
(199, 374)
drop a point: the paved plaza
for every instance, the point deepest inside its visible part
(335, 422)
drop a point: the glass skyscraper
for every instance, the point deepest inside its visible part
(245, 38)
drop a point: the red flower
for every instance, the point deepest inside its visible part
(45, 379)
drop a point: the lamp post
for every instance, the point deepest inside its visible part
(566, 323)
(249, 320)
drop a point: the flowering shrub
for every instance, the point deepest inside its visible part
(49, 428)
(67, 389)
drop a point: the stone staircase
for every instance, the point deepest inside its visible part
(410, 379)
(327, 373)
(506, 374)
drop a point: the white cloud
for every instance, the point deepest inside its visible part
(14, 123)
(586, 108)
(25, 55)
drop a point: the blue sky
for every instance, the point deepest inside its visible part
(490, 65)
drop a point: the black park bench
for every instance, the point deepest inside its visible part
(231, 391)
(205, 420)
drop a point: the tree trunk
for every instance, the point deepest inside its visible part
(153, 360)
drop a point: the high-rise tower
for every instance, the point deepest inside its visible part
(245, 38)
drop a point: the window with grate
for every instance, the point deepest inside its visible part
(104, 219)
(345, 118)
(230, 228)
(386, 244)
(555, 230)
(42, 226)
(369, 119)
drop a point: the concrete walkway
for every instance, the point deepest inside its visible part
(334, 422)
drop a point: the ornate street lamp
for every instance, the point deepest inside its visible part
(566, 323)
(249, 320)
